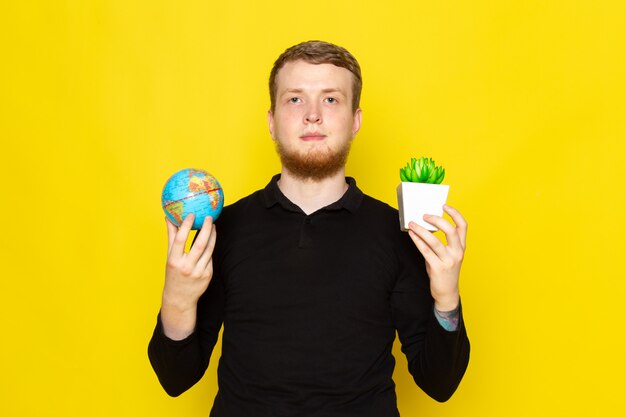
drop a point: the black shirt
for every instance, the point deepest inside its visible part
(310, 306)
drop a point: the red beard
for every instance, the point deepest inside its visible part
(316, 164)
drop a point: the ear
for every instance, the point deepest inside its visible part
(356, 122)
(270, 122)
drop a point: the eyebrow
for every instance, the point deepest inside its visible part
(300, 90)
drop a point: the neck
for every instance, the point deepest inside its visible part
(311, 195)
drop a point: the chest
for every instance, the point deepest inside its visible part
(323, 269)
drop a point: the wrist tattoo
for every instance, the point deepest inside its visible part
(449, 320)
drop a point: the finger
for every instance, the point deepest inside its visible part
(171, 233)
(178, 247)
(201, 241)
(452, 236)
(428, 254)
(429, 239)
(207, 255)
(459, 220)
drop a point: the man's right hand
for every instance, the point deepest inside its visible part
(187, 276)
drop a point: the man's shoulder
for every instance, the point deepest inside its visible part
(375, 205)
(237, 217)
(381, 218)
(242, 205)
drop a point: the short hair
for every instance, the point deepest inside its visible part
(319, 52)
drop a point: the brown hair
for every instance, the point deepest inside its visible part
(319, 52)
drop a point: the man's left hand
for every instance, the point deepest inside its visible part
(443, 262)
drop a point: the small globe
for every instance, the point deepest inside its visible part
(192, 191)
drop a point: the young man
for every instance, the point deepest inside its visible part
(310, 277)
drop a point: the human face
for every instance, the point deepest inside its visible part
(313, 123)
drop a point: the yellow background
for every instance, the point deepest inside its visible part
(522, 101)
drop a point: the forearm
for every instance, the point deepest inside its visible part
(440, 364)
(448, 301)
(179, 364)
(178, 322)
(449, 320)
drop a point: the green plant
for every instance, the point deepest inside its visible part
(422, 170)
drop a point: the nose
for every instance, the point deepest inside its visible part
(313, 114)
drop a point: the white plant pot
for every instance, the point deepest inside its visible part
(416, 199)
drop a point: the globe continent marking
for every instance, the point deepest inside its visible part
(192, 191)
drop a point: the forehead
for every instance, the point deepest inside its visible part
(304, 75)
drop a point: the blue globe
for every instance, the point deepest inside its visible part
(192, 191)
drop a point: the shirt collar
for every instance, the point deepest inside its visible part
(351, 200)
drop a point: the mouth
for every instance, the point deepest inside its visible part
(312, 136)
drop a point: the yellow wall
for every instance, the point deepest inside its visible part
(522, 101)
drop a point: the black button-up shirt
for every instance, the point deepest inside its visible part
(310, 306)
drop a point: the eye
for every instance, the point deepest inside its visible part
(294, 100)
(330, 100)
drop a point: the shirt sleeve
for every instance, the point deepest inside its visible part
(437, 358)
(179, 364)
